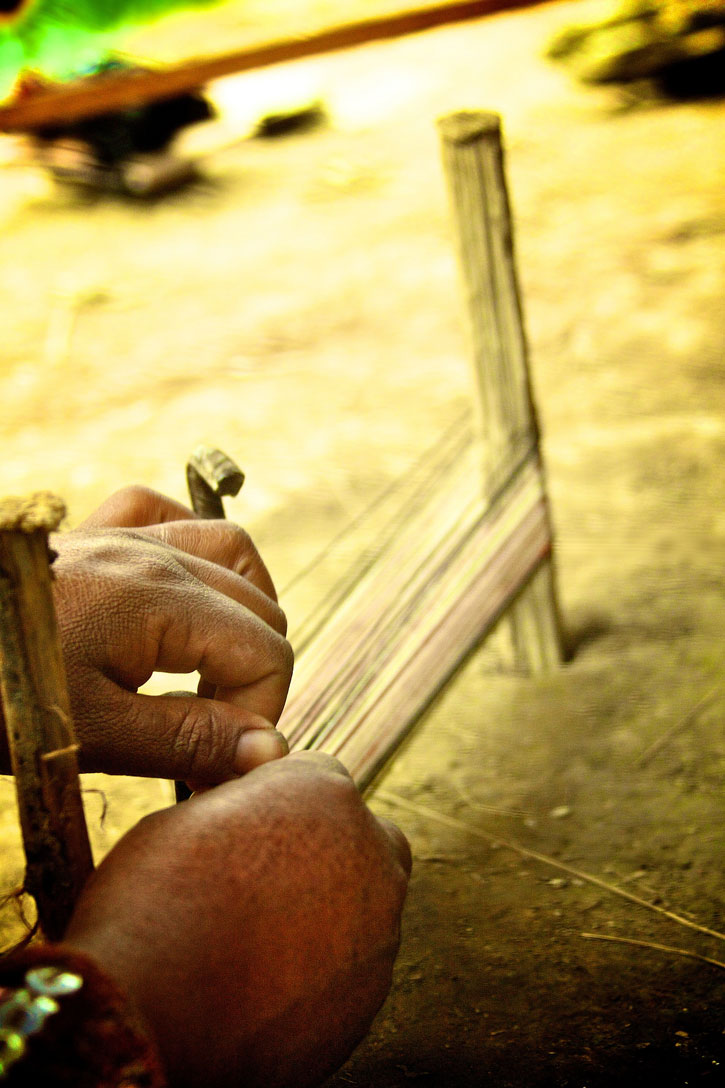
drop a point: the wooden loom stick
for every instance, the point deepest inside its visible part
(473, 160)
(464, 620)
(475, 550)
(210, 475)
(398, 576)
(37, 714)
(97, 95)
(424, 475)
(413, 619)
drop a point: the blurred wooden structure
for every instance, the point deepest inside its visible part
(93, 96)
(474, 549)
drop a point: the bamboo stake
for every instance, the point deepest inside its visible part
(210, 475)
(411, 620)
(474, 166)
(37, 714)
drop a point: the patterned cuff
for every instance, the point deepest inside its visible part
(64, 1022)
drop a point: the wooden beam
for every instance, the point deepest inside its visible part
(96, 95)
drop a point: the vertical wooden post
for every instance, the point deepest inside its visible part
(37, 714)
(473, 161)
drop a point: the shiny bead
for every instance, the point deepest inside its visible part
(41, 1008)
(12, 1048)
(14, 1010)
(25, 1014)
(53, 981)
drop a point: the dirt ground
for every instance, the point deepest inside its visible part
(299, 307)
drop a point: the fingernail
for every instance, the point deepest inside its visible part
(258, 746)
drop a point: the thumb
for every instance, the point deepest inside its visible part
(182, 736)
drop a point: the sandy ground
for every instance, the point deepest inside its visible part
(299, 307)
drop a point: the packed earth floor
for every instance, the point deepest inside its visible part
(299, 307)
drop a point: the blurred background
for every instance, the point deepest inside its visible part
(297, 304)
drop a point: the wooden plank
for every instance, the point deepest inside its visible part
(474, 166)
(93, 96)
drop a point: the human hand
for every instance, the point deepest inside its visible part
(255, 927)
(144, 586)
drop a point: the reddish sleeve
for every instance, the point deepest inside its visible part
(95, 1040)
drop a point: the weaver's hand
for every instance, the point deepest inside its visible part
(174, 594)
(254, 926)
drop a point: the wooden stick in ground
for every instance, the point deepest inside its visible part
(473, 161)
(210, 475)
(43, 750)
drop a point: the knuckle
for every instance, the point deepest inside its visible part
(280, 620)
(157, 564)
(342, 789)
(134, 501)
(247, 561)
(315, 762)
(242, 544)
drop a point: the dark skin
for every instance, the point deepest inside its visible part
(144, 586)
(255, 926)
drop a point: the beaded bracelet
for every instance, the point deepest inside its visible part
(25, 1011)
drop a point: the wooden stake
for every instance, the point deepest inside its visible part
(473, 161)
(37, 713)
(210, 475)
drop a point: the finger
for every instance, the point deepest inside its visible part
(257, 746)
(185, 738)
(190, 630)
(220, 542)
(133, 507)
(320, 761)
(312, 765)
(156, 563)
(235, 586)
